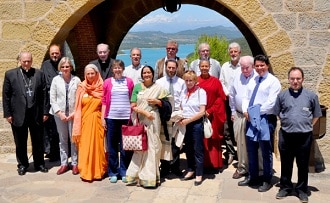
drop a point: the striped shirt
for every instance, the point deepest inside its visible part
(120, 101)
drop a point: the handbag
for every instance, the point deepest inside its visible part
(134, 137)
(208, 131)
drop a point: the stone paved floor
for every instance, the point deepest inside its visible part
(39, 187)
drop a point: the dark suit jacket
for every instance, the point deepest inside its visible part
(108, 72)
(14, 96)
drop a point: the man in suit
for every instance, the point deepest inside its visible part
(51, 137)
(104, 62)
(26, 108)
(172, 48)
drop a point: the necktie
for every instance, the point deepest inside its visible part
(254, 93)
(171, 87)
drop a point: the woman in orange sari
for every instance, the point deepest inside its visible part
(88, 132)
(215, 111)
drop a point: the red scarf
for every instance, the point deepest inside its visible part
(191, 90)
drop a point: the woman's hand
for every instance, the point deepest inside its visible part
(104, 123)
(62, 116)
(150, 116)
(154, 101)
(184, 122)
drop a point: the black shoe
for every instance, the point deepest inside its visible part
(21, 171)
(264, 187)
(163, 173)
(53, 158)
(303, 197)
(281, 194)
(244, 182)
(42, 169)
(197, 183)
(177, 173)
(249, 182)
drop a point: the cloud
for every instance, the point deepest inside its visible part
(189, 17)
(156, 19)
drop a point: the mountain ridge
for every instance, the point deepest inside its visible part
(149, 39)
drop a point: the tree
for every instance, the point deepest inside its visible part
(218, 48)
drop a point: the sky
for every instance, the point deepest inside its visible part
(188, 17)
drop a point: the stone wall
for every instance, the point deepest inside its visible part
(292, 32)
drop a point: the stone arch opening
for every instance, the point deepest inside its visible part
(109, 21)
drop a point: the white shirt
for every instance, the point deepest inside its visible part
(178, 86)
(133, 72)
(215, 68)
(228, 74)
(190, 105)
(266, 95)
(238, 90)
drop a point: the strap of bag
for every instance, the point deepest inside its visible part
(199, 103)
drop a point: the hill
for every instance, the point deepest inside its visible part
(150, 39)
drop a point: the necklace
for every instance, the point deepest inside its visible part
(27, 86)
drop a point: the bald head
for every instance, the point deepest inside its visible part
(247, 64)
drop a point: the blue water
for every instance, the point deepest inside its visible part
(151, 55)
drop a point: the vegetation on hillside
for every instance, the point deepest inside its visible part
(155, 39)
(218, 48)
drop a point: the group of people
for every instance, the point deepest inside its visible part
(242, 99)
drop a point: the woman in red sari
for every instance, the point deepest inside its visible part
(215, 111)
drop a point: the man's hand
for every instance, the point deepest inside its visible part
(10, 119)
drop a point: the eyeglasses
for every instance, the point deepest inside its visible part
(65, 66)
(171, 48)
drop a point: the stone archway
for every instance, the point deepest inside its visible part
(293, 33)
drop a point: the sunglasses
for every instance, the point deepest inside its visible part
(171, 49)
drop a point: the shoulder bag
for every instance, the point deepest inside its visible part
(134, 137)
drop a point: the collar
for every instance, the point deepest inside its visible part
(295, 94)
(136, 67)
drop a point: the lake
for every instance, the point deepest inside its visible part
(151, 55)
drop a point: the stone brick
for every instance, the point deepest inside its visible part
(309, 56)
(234, 4)
(322, 5)
(9, 11)
(272, 6)
(37, 10)
(314, 21)
(299, 5)
(9, 49)
(312, 75)
(277, 43)
(286, 21)
(59, 15)
(319, 39)
(6, 137)
(281, 64)
(17, 30)
(43, 31)
(250, 11)
(265, 27)
(299, 38)
(324, 93)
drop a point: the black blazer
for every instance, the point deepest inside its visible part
(14, 96)
(108, 73)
